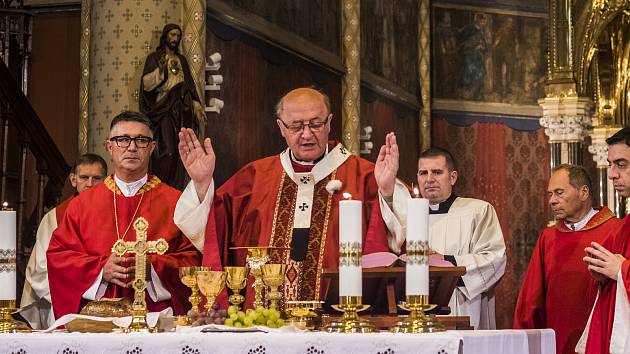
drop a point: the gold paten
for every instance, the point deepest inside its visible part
(303, 314)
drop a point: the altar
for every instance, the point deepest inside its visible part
(449, 342)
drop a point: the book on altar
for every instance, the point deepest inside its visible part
(388, 259)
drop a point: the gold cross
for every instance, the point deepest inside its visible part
(140, 247)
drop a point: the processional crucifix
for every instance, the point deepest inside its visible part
(140, 247)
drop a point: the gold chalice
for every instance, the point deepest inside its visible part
(188, 278)
(236, 280)
(256, 257)
(210, 283)
(273, 277)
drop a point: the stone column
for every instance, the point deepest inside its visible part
(351, 83)
(121, 34)
(566, 121)
(606, 195)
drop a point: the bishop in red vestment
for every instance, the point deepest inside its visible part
(80, 261)
(282, 201)
(608, 329)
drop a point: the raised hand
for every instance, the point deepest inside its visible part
(199, 161)
(387, 166)
(601, 262)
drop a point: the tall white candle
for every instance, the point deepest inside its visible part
(7, 255)
(350, 246)
(417, 268)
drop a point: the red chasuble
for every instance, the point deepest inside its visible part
(60, 209)
(266, 200)
(600, 331)
(82, 243)
(557, 289)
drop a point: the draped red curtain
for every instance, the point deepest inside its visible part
(509, 169)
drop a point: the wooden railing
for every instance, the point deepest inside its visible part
(24, 137)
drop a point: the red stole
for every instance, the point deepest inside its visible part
(600, 329)
(557, 291)
(82, 243)
(255, 207)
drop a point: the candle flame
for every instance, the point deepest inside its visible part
(5, 204)
(416, 192)
(347, 195)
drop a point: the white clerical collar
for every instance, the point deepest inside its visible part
(580, 224)
(434, 207)
(307, 163)
(130, 189)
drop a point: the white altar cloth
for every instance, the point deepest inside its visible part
(451, 342)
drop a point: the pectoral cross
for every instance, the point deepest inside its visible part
(140, 247)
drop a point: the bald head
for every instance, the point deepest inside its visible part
(303, 116)
(300, 96)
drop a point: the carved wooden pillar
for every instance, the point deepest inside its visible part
(194, 41)
(351, 83)
(424, 70)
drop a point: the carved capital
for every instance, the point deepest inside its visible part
(598, 146)
(566, 119)
(565, 128)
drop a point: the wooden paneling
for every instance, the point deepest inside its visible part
(54, 78)
(256, 75)
(317, 21)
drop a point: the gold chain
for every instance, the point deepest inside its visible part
(116, 214)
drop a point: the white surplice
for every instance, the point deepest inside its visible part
(470, 232)
(36, 306)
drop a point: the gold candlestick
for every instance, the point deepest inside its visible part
(350, 322)
(188, 278)
(273, 277)
(256, 257)
(210, 283)
(417, 321)
(236, 280)
(7, 323)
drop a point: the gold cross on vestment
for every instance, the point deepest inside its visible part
(140, 247)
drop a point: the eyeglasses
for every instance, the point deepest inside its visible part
(124, 141)
(315, 125)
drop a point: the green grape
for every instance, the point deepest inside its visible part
(270, 323)
(248, 322)
(253, 315)
(234, 317)
(241, 315)
(259, 309)
(273, 315)
(228, 322)
(232, 309)
(265, 312)
(238, 324)
(280, 322)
